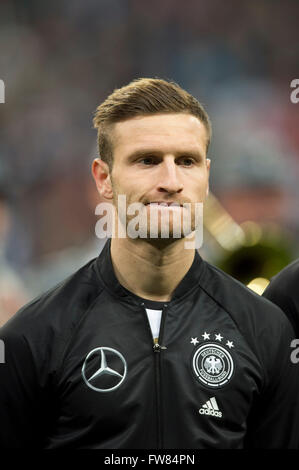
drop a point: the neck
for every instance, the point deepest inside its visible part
(152, 270)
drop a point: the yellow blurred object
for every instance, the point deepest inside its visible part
(247, 251)
(258, 285)
(222, 226)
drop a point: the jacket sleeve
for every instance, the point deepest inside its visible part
(278, 292)
(24, 409)
(274, 419)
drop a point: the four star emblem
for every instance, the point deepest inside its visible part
(218, 337)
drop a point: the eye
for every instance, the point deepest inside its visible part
(148, 161)
(186, 161)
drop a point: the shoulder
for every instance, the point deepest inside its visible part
(253, 315)
(58, 310)
(283, 291)
(287, 278)
(235, 296)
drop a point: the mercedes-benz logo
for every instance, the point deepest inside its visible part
(103, 356)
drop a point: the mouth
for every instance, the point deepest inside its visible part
(164, 204)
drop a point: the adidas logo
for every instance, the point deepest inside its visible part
(210, 408)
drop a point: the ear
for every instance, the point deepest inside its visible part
(101, 175)
(208, 169)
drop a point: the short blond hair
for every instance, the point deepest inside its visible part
(141, 97)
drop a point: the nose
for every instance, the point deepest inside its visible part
(169, 178)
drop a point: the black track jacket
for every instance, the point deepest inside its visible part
(81, 370)
(283, 291)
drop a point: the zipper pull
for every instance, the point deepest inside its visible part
(158, 348)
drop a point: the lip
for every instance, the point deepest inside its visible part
(164, 203)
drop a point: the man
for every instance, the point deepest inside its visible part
(92, 364)
(283, 291)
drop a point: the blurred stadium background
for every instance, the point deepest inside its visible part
(60, 59)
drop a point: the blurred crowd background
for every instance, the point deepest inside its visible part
(60, 59)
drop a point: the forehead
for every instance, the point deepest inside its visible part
(163, 131)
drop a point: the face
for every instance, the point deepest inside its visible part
(158, 159)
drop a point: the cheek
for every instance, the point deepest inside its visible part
(199, 187)
(125, 187)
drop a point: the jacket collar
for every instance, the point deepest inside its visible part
(106, 272)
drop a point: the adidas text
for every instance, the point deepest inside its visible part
(209, 412)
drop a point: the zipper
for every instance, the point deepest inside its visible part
(158, 348)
